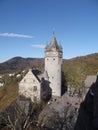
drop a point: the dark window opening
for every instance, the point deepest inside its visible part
(24, 80)
(35, 88)
(33, 80)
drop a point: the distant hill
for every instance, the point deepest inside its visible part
(75, 69)
(19, 63)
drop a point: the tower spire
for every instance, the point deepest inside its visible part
(53, 31)
(53, 61)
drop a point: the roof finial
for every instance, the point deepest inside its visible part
(53, 31)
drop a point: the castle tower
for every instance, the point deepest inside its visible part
(53, 61)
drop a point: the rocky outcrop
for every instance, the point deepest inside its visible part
(88, 112)
(59, 114)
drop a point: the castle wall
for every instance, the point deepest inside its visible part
(53, 68)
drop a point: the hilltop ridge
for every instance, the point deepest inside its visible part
(20, 63)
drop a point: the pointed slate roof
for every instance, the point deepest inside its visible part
(53, 45)
(29, 76)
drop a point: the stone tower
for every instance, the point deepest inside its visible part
(53, 61)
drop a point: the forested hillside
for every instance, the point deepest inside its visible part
(74, 72)
(78, 68)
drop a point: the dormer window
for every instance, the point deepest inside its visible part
(53, 49)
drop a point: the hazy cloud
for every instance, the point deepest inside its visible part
(15, 35)
(38, 46)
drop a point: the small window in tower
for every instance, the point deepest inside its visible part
(35, 88)
(53, 58)
(47, 59)
(33, 80)
(24, 80)
(34, 98)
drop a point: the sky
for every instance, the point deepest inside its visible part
(26, 26)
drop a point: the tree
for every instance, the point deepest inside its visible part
(17, 116)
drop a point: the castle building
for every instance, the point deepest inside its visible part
(53, 61)
(30, 87)
(33, 84)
